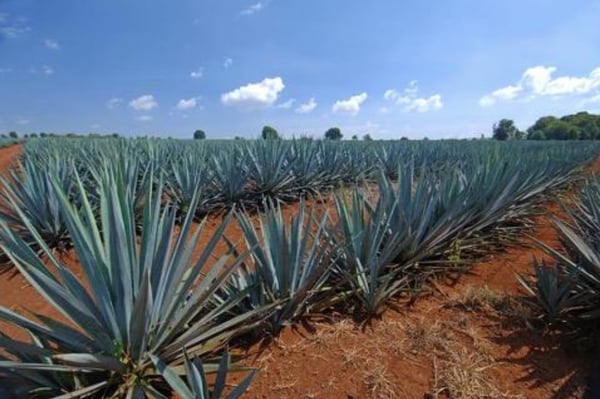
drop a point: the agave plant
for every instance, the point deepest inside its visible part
(31, 192)
(289, 268)
(270, 170)
(230, 180)
(187, 176)
(140, 299)
(196, 386)
(571, 289)
(365, 268)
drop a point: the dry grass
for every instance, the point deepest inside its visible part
(378, 382)
(462, 374)
(424, 337)
(510, 310)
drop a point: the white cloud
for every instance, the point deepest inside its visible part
(22, 121)
(227, 63)
(95, 126)
(487, 101)
(307, 107)
(51, 44)
(12, 28)
(143, 103)
(114, 103)
(432, 103)
(351, 105)
(254, 8)
(43, 70)
(391, 94)
(144, 118)
(197, 74)
(47, 70)
(259, 94)
(288, 104)
(5, 70)
(187, 104)
(538, 81)
(410, 101)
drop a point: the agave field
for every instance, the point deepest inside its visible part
(163, 294)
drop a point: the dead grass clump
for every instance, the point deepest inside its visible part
(462, 374)
(427, 337)
(511, 310)
(378, 382)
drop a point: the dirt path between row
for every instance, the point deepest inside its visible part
(426, 350)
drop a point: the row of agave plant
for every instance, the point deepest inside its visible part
(224, 175)
(568, 292)
(150, 315)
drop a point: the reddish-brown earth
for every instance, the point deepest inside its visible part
(466, 340)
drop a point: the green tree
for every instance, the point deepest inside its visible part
(505, 129)
(587, 124)
(334, 133)
(540, 127)
(269, 133)
(14, 135)
(199, 135)
(354, 137)
(367, 137)
(536, 135)
(561, 130)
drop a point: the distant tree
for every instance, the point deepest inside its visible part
(536, 135)
(199, 135)
(238, 138)
(587, 124)
(520, 135)
(582, 126)
(540, 127)
(504, 130)
(115, 135)
(403, 138)
(354, 137)
(367, 137)
(334, 133)
(561, 130)
(14, 135)
(26, 136)
(269, 133)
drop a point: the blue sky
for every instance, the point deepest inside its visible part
(389, 68)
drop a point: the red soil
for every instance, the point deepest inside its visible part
(409, 351)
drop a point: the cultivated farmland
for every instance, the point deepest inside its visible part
(327, 269)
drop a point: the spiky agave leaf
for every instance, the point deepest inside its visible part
(196, 386)
(138, 296)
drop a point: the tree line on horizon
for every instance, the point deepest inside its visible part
(579, 126)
